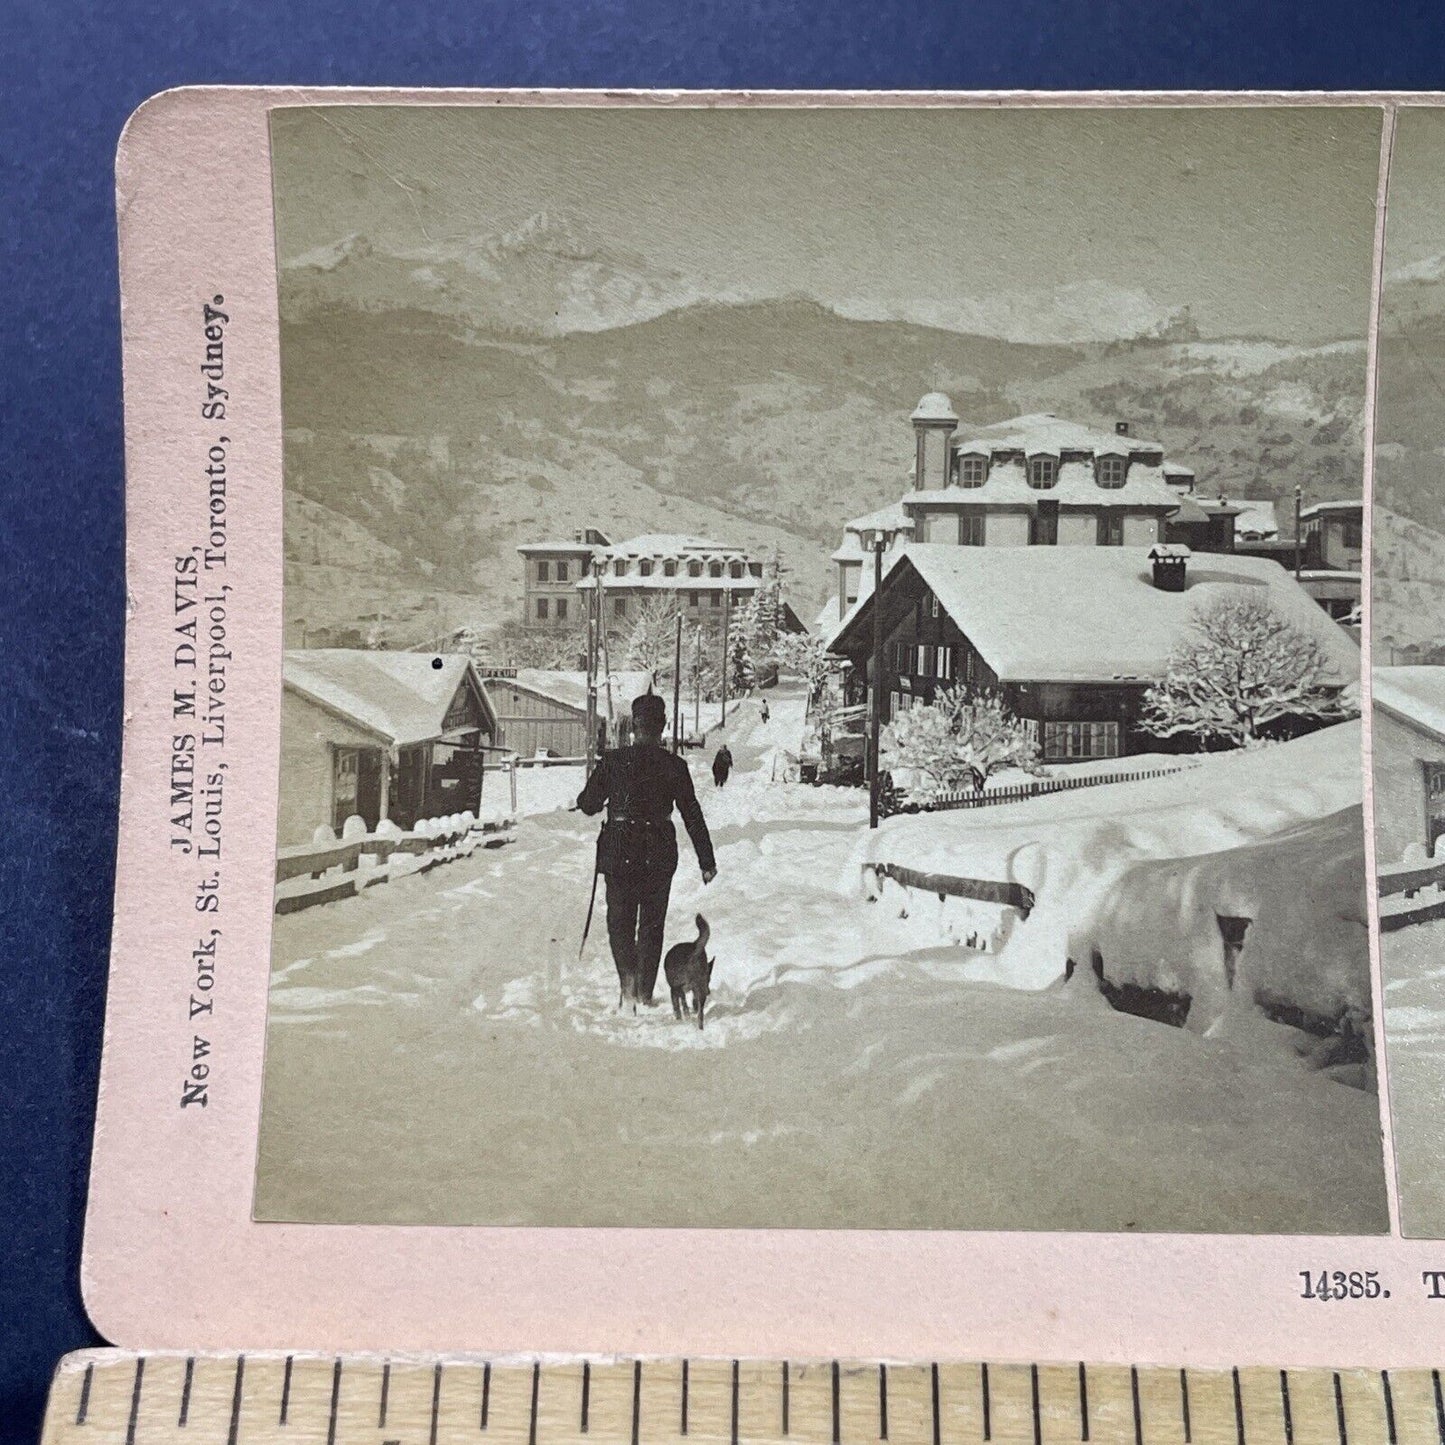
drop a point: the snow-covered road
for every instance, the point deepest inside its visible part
(438, 1054)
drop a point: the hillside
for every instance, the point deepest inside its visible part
(767, 423)
(1409, 587)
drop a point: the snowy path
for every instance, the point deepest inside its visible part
(437, 1054)
(1414, 967)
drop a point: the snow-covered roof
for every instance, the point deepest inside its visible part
(1415, 695)
(1320, 509)
(1044, 433)
(891, 517)
(1093, 613)
(1007, 483)
(935, 406)
(574, 546)
(402, 697)
(666, 544)
(1256, 517)
(614, 586)
(570, 688)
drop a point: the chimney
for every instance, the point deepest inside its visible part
(1169, 559)
(1121, 428)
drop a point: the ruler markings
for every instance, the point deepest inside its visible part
(1134, 1398)
(1389, 1407)
(586, 1391)
(1083, 1402)
(1034, 1392)
(937, 1425)
(436, 1402)
(335, 1401)
(83, 1409)
(234, 1432)
(185, 1413)
(486, 1391)
(135, 1389)
(1340, 1410)
(532, 1418)
(683, 1424)
(1238, 1407)
(882, 1402)
(1183, 1405)
(837, 1422)
(1439, 1405)
(385, 1394)
(1284, 1406)
(286, 1390)
(637, 1398)
(785, 1397)
(733, 1421)
(987, 1404)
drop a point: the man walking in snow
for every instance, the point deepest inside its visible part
(722, 765)
(764, 710)
(637, 848)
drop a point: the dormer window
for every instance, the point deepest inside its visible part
(735, 569)
(1111, 471)
(694, 569)
(619, 567)
(669, 568)
(644, 567)
(1043, 473)
(972, 470)
(714, 569)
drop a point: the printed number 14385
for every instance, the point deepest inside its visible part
(1340, 1284)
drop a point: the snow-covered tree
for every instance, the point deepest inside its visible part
(805, 655)
(652, 643)
(963, 737)
(1243, 667)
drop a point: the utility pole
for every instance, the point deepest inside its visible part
(591, 722)
(875, 692)
(697, 686)
(1298, 540)
(606, 653)
(727, 620)
(677, 688)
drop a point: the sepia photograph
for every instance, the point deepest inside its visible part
(822, 679)
(1408, 674)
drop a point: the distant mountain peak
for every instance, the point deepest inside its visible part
(551, 234)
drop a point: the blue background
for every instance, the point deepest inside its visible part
(69, 76)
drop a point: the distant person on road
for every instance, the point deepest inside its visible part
(722, 765)
(764, 710)
(637, 848)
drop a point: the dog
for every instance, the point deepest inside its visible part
(689, 971)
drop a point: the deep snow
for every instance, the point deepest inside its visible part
(438, 1054)
(1413, 961)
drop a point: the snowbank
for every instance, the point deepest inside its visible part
(1140, 872)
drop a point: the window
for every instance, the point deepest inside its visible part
(1043, 472)
(619, 567)
(694, 569)
(1044, 527)
(562, 572)
(561, 609)
(344, 785)
(715, 597)
(755, 568)
(644, 567)
(544, 571)
(971, 529)
(1111, 471)
(1071, 740)
(932, 605)
(945, 664)
(693, 599)
(735, 569)
(542, 609)
(714, 569)
(1111, 529)
(619, 607)
(1353, 533)
(972, 471)
(669, 568)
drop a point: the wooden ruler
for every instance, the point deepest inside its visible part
(114, 1397)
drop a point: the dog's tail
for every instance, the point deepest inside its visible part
(703, 933)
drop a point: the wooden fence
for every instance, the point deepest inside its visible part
(898, 802)
(985, 890)
(1406, 881)
(332, 870)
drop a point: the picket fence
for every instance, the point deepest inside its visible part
(1017, 792)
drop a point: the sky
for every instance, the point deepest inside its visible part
(1415, 211)
(1260, 220)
